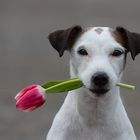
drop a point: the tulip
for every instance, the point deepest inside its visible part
(30, 98)
(33, 96)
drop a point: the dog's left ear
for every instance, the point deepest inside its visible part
(62, 40)
(131, 41)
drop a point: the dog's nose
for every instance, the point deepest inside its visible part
(100, 79)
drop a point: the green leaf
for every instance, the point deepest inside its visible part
(71, 84)
(63, 85)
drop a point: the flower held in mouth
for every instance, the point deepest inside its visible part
(33, 96)
(30, 98)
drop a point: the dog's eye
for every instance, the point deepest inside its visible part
(82, 52)
(117, 53)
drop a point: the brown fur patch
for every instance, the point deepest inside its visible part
(99, 30)
(117, 36)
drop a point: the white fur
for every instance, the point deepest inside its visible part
(83, 116)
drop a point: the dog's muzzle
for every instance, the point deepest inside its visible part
(100, 83)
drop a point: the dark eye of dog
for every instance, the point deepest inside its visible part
(117, 53)
(82, 52)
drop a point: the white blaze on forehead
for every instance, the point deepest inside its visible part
(99, 36)
(98, 31)
(93, 33)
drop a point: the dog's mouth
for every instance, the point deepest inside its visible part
(99, 91)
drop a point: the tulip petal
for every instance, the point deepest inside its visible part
(30, 98)
(24, 90)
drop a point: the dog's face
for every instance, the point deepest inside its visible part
(97, 54)
(98, 59)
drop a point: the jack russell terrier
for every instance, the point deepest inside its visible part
(97, 57)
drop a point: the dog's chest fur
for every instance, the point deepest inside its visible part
(81, 119)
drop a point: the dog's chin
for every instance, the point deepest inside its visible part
(99, 92)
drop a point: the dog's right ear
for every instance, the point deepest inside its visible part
(62, 40)
(131, 41)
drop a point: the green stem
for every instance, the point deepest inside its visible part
(126, 86)
(71, 84)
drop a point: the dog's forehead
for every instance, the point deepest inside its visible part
(100, 34)
(97, 30)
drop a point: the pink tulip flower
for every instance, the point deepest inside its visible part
(30, 98)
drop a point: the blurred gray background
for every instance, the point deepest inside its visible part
(26, 56)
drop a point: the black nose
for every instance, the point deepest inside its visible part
(100, 79)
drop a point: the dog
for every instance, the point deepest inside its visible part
(98, 57)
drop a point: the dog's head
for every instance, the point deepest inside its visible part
(98, 54)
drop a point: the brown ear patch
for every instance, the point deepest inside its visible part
(117, 37)
(130, 40)
(62, 40)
